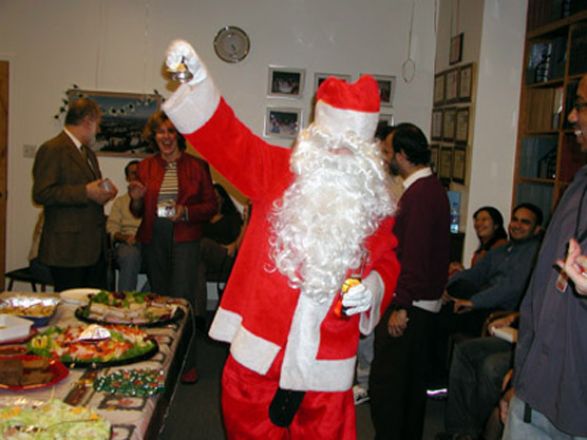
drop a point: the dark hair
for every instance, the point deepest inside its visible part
(128, 165)
(412, 141)
(228, 206)
(155, 121)
(80, 109)
(535, 210)
(383, 130)
(499, 232)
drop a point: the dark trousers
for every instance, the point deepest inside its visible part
(171, 267)
(94, 276)
(397, 384)
(476, 373)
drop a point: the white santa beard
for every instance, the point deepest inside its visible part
(323, 218)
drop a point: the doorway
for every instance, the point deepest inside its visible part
(4, 73)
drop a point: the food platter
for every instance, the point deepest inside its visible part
(124, 345)
(38, 308)
(55, 372)
(134, 308)
(23, 418)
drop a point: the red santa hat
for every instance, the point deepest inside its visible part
(343, 107)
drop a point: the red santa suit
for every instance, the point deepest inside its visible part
(278, 336)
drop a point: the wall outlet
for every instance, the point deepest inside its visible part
(29, 150)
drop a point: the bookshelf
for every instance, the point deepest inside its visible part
(555, 58)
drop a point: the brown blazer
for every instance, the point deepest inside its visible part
(74, 230)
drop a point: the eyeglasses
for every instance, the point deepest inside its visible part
(579, 105)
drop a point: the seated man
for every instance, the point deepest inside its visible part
(122, 227)
(499, 280)
(475, 379)
(496, 283)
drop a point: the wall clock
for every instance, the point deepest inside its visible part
(232, 44)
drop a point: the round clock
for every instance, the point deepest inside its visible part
(232, 44)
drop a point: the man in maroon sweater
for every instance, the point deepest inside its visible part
(397, 382)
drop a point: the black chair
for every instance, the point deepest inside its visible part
(25, 275)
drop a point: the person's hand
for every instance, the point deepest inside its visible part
(397, 323)
(180, 51)
(131, 239)
(231, 249)
(180, 212)
(504, 404)
(96, 192)
(136, 190)
(357, 299)
(504, 321)
(575, 266)
(462, 306)
(454, 267)
(446, 298)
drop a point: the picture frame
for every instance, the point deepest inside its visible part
(452, 86)
(124, 116)
(434, 157)
(456, 49)
(449, 116)
(439, 88)
(462, 126)
(387, 117)
(386, 85)
(436, 131)
(459, 164)
(282, 122)
(320, 77)
(466, 83)
(286, 82)
(445, 162)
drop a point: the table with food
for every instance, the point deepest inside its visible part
(89, 364)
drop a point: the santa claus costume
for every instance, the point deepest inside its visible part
(320, 213)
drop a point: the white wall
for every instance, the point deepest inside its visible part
(494, 40)
(118, 45)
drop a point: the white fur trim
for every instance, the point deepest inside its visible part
(370, 318)
(248, 349)
(301, 370)
(190, 107)
(339, 121)
(225, 325)
(252, 351)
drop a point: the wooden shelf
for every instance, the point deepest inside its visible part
(546, 145)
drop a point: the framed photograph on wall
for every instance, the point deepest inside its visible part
(439, 88)
(459, 164)
(445, 163)
(282, 122)
(449, 116)
(386, 89)
(436, 132)
(462, 126)
(452, 85)
(456, 49)
(320, 77)
(387, 117)
(285, 82)
(466, 83)
(124, 115)
(434, 157)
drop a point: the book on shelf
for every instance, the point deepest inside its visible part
(544, 108)
(578, 58)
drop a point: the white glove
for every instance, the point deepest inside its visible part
(181, 50)
(358, 299)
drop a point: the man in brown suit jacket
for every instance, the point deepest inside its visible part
(69, 185)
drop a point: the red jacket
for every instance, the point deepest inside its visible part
(261, 316)
(195, 192)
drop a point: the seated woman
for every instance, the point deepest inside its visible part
(488, 224)
(222, 235)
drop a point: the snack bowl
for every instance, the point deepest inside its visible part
(13, 327)
(38, 308)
